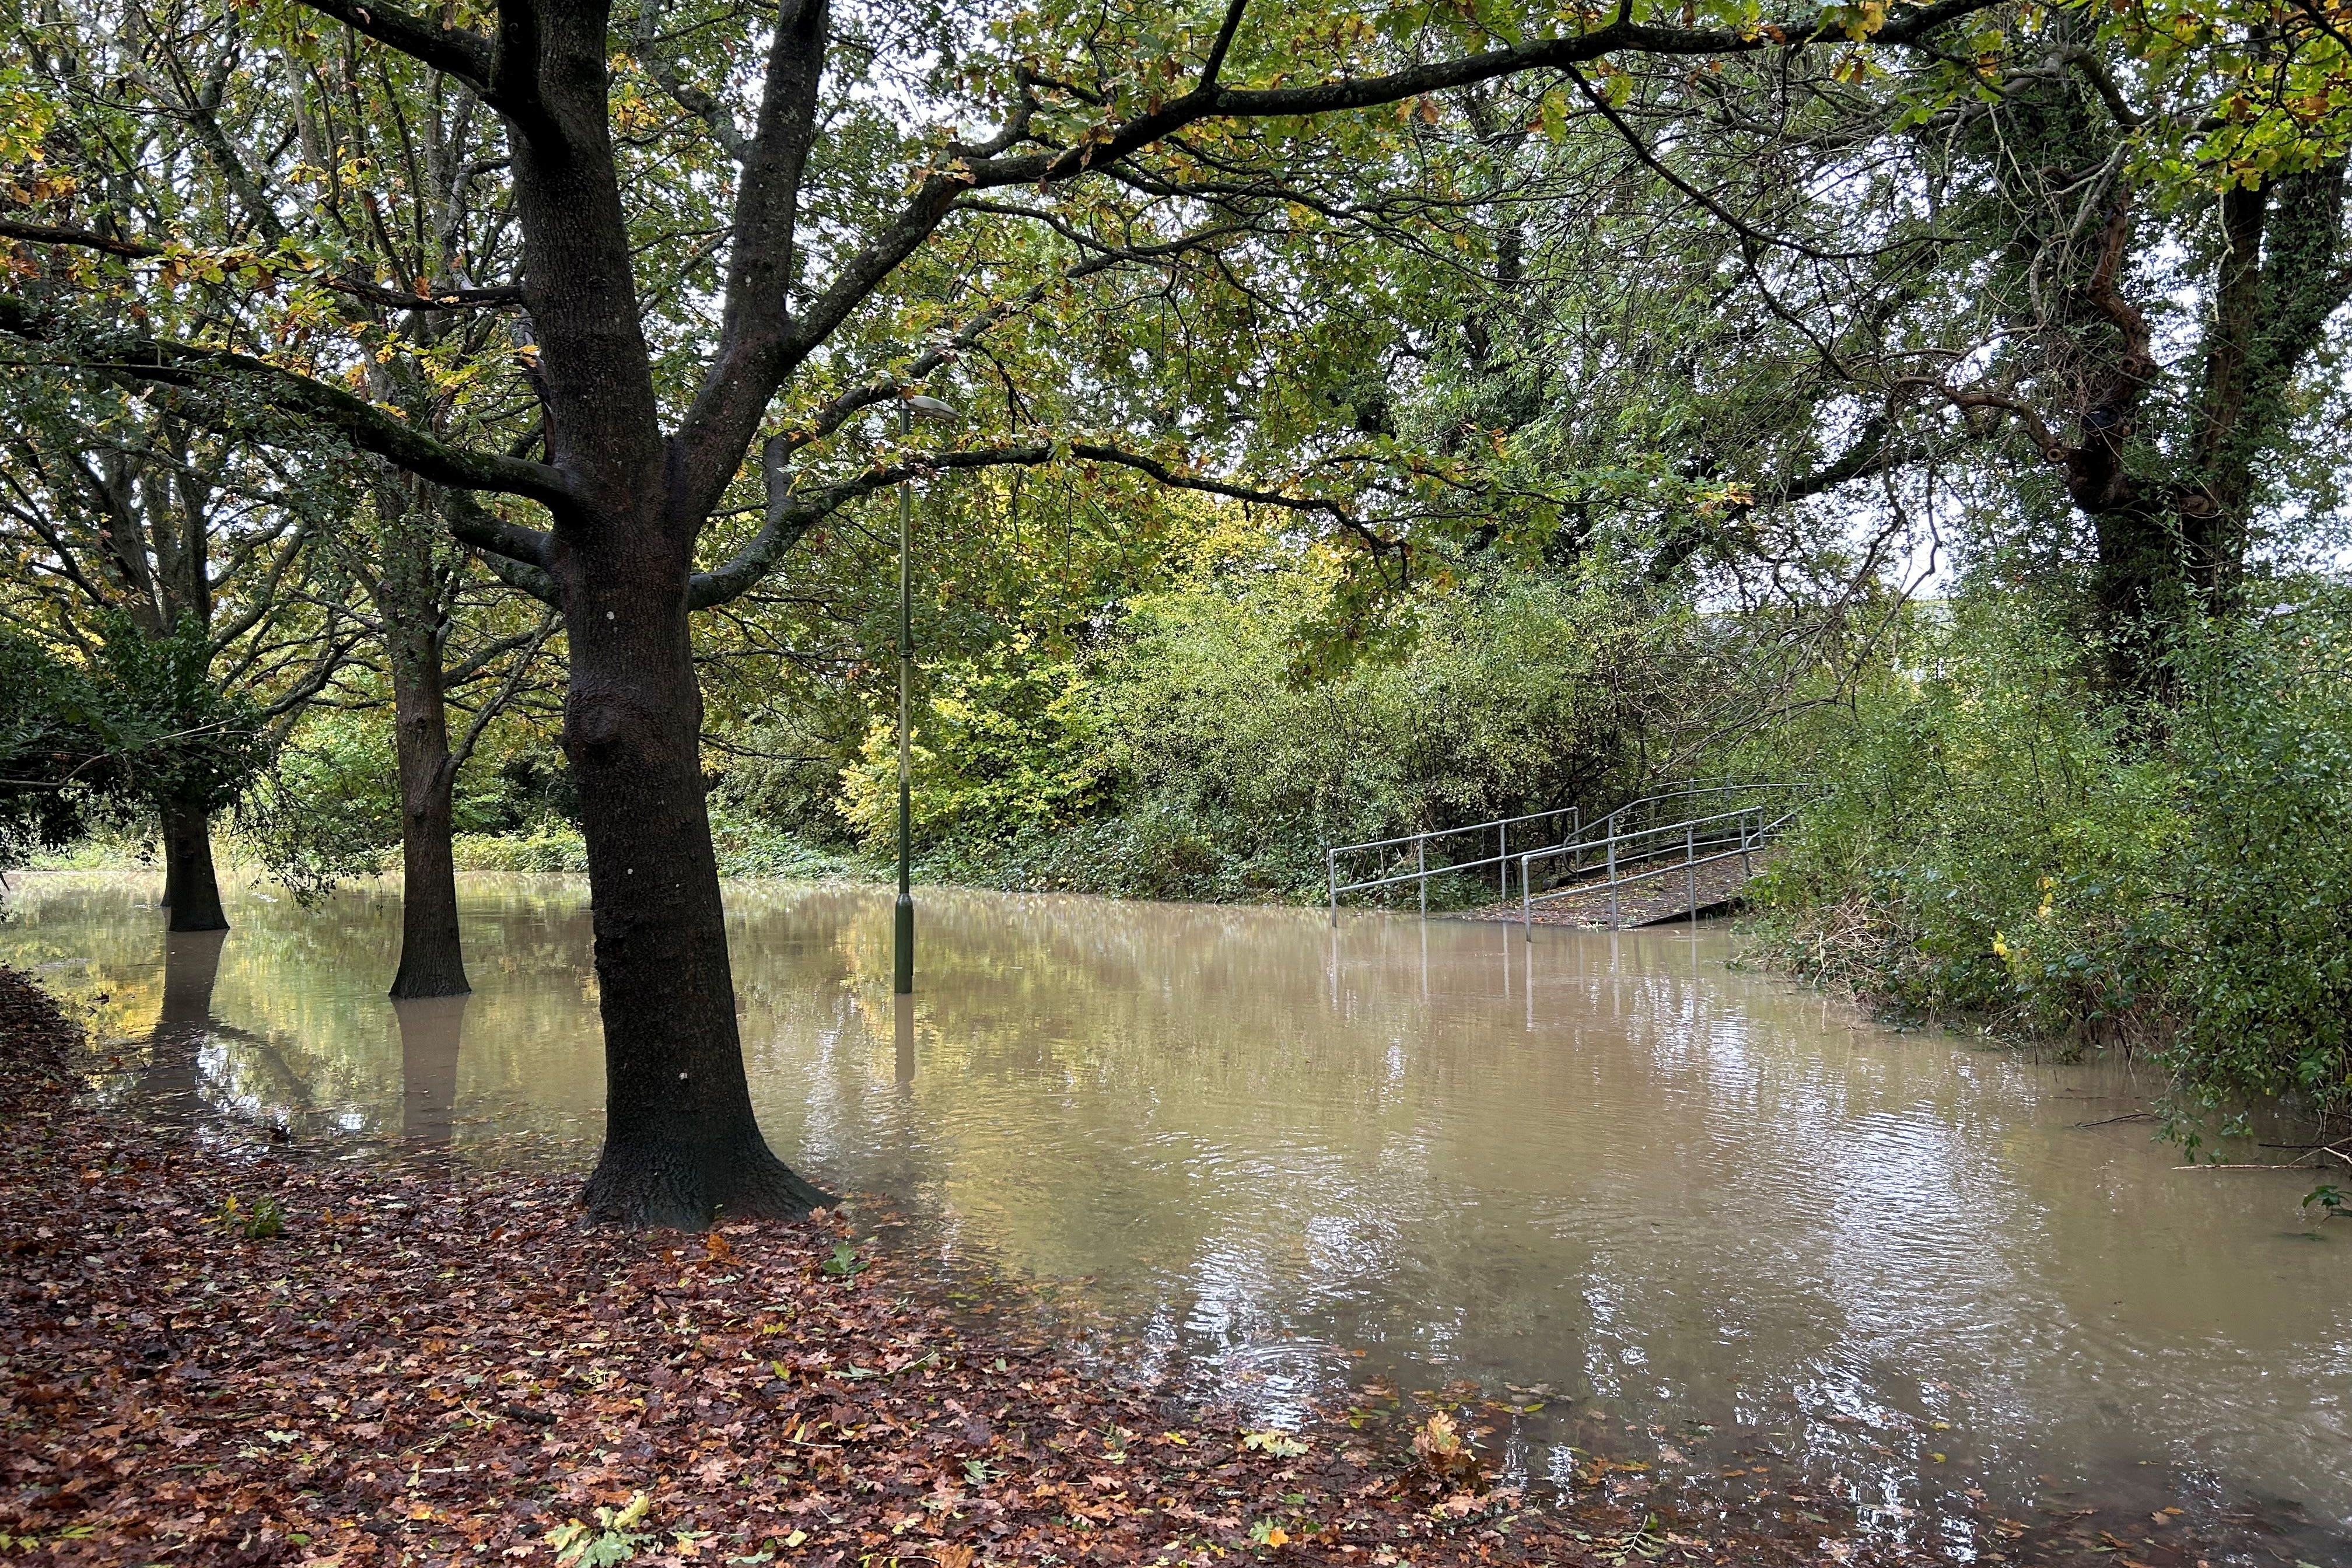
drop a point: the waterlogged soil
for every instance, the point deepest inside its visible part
(1687, 1241)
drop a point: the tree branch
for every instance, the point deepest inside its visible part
(358, 288)
(1656, 166)
(1211, 101)
(937, 194)
(749, 362)
(135, 358)
(515, 554)
(463, 750)
(791, 516)
(713, 113)
(842, 409)
(1224, 41)
(453, 51)
(1377, 542)
(1969, 398)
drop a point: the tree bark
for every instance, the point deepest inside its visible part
(191, 889)
(431, 963)
(408, 600)
(2280, 279)
(681, 1144)
(2170, 551)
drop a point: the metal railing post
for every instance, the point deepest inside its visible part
(1614, 920)
(1526, 905)
(1690, 865)
(1503, 853)
(1331, 875)
(1421, 871)
(1746, 870)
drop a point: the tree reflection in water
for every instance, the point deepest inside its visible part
(170, 1083)
(431, 1028)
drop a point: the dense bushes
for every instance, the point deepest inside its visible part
(2265, 753)
(1991, 839)
(1185, 756)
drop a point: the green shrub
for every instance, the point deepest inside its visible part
(546, 845)
(1989, 838)
(328, 809)
(2265, 883)
(1981, 839)
(1184, 756)
(748, 846)
(1007, 742)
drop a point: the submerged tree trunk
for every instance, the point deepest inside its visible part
(681, 1144)
(191, 889)
(408, 599)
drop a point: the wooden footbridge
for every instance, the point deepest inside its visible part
(1674, 855)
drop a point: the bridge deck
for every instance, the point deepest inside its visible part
(1660, 897)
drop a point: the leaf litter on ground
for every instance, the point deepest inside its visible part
(212, 1353)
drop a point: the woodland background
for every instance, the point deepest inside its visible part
(1959, 426)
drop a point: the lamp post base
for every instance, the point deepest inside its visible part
(902, 947)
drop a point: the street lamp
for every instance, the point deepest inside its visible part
(902, 950)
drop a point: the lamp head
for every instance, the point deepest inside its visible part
(931, 408)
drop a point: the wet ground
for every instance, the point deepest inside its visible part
(1707, 1222)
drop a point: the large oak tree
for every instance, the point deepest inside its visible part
(711, 214)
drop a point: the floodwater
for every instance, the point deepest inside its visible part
(1714, 1220)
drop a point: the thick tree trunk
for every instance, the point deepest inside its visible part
(191, 889)
(431, 963)
(2173, 551)
(681, 1144)
(431, 960)
(2279, 281)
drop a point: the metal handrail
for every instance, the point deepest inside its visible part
(1501, 827)
(1605, 824)
(1597, 838)
(1606, 838)
(1444, 832)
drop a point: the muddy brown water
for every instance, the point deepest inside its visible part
(1713, 1221)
